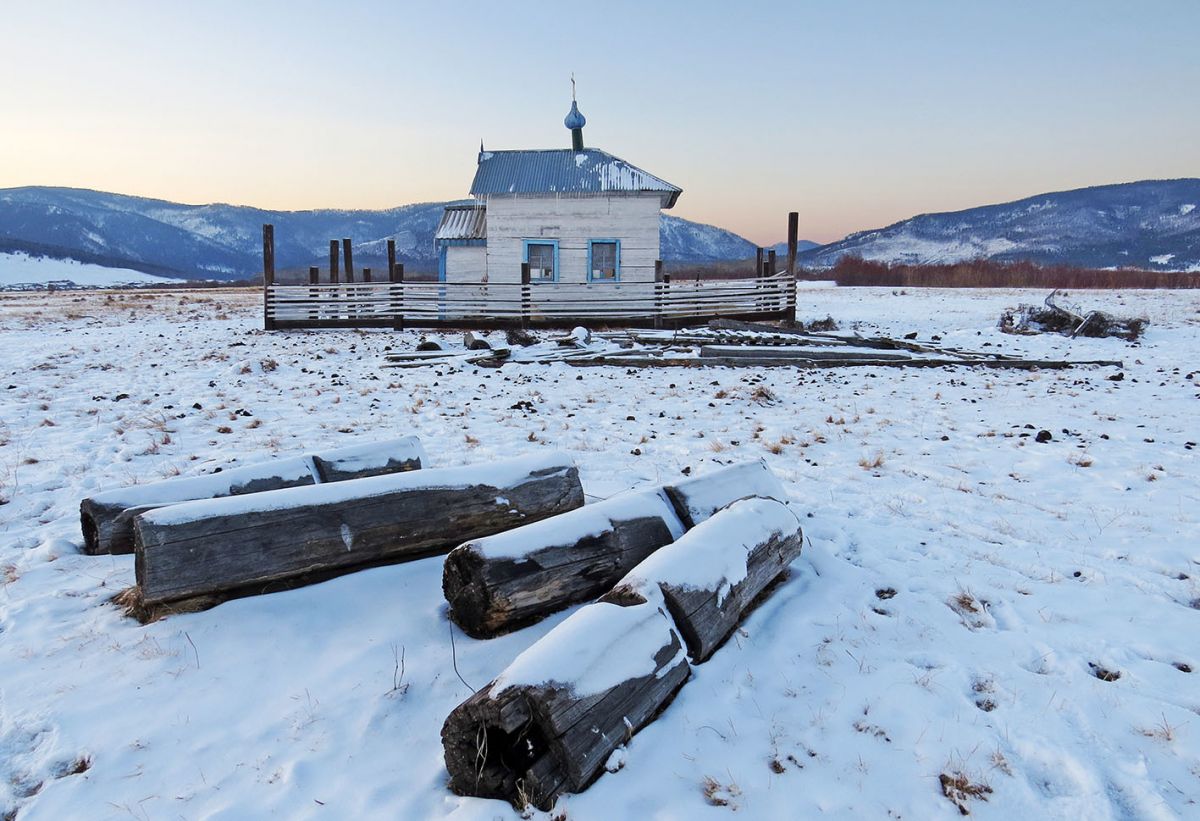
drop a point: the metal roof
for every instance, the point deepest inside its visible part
(566, 171)
(463, 222)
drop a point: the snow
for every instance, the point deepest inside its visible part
(569, 528)
(1186, 209)
(938, 574)
(599, 646)
(21, 269)
(367, 456)
(714, 554)
(708, 492)
(1162, 259)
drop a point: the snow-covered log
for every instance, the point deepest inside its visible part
(502, 582)
(107, 518)
(207, 551)
(698, 498)
(550, 722)
(712, 576)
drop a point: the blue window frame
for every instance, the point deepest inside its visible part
(604, 260)
(542, 256)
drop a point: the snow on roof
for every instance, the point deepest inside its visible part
(547, 171)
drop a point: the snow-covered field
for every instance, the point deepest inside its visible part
(963, 594)
(17, 269)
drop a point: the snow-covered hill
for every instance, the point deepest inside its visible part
(20, 269)
(225, 241)
(1154, 224)
(971, 601)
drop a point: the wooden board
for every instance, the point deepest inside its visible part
(239, 545)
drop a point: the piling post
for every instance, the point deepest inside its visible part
(525, 295)
(396, 277)
(268, 274)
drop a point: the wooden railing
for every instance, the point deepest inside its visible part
(429, 304)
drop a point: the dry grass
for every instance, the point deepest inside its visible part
(872, 463)
(1163, 731)
(960, 789)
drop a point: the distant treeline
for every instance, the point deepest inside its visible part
(983, 273)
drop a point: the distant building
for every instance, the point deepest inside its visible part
(576, 215)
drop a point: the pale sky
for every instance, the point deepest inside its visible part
(855, 114)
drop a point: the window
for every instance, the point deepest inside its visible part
(604, 260)
(543, 260)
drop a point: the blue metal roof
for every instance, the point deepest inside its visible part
(565, 171)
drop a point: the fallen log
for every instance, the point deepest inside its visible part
(711, 577)
(107, 518)
(794, 352)
(196, 554)
(774, 362)
(549, 723)
(499, 583)
(698, 498)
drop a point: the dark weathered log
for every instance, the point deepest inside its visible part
(712, 576)
(239, 546)
(809, 353)
(774, 362)
(107, 518)
(549, 723)
(699, 497)
(502, 582)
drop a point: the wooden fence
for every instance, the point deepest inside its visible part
(431, 304)
(395, 302)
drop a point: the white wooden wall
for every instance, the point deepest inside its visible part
(573, 220)
(467, 263)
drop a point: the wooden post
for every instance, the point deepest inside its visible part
(314, 277)
(397, 279)
(268, 275)
(333, 262)
(366, 274)
(771, 302)
(793, 241)
(391, 252)
(758, 263)
(525, 295)
(658, 294)
(348, 266)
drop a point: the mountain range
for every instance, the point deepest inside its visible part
(225, 241)
(1152, 225)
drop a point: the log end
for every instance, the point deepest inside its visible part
(91, 529)
(471, 604)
